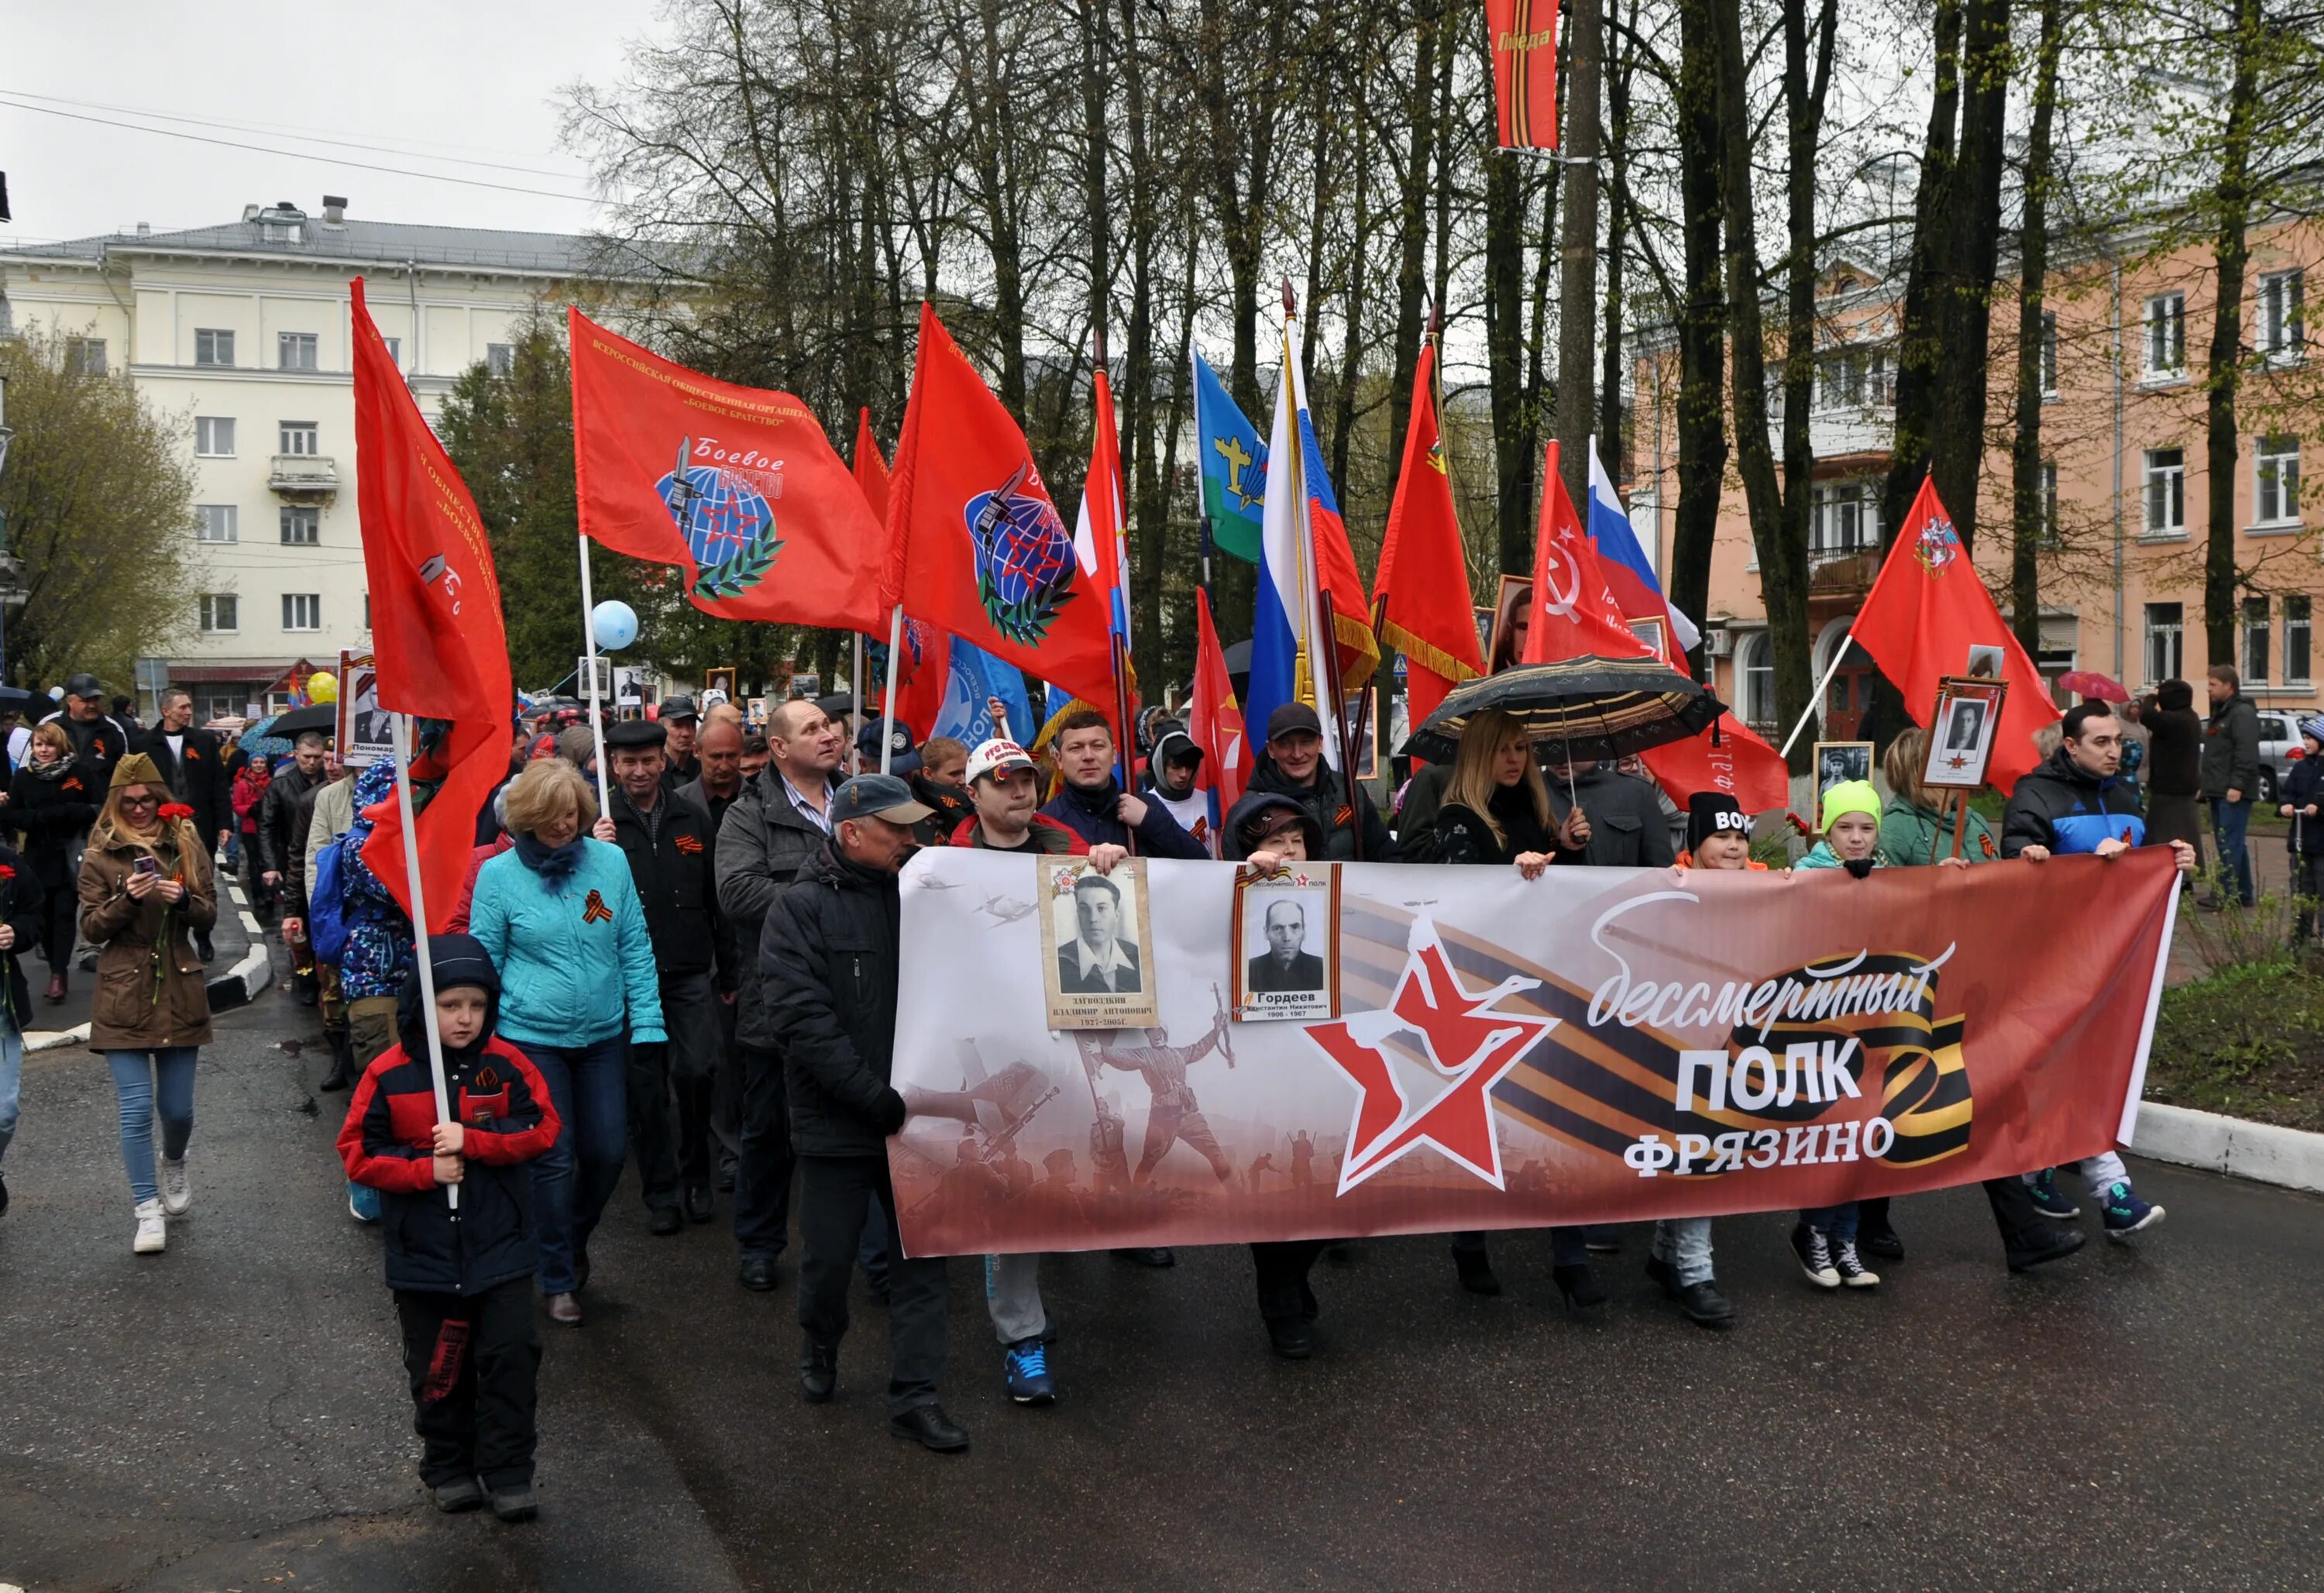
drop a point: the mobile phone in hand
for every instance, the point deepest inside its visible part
(147, 866)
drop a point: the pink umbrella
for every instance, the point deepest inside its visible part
(2091, 684)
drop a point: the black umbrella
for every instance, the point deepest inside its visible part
(321, 717)
(1585, 707)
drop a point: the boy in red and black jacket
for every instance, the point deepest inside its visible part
(463, 1286)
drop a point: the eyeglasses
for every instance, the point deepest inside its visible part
(147, 800)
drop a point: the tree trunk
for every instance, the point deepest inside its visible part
(1807, 83)
(1920, 340)
(2231, 254)
(1505, 357)
(1622, 63)
(2032, 513)
(1957, 447)
(1412, 229)
(1701, 408)
(1577, 288)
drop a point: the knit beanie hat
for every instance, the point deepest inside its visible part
(1714, 812)
(1850, 796)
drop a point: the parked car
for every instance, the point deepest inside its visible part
(2279, 749)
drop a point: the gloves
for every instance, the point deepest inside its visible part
(1861, 868)
(890, 1111)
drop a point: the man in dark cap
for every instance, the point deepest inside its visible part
(669, 841)
(827, 958)
(1292, 765)
(878, 736)
(99, 741)
(680, 719)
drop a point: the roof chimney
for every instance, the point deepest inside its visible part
(144, 229)
(250, 212)
(334, 211)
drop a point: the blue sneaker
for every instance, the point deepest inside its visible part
(1028, 1365)
(362, 1201)
(2125, 1213)
(2049, 1200)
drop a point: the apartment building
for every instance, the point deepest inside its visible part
(240, 333)
(2126, 343)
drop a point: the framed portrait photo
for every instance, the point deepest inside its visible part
(1961, 730)
(720, 679)
(1096, 936)
(1986, 662)
(1651, 635)
(1837, 762)
(1511, 609)
(364, 732)
(1286, 936)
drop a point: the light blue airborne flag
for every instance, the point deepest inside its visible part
(1234, 466)
(976, 675)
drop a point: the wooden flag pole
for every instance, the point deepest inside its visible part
(888, 714)
(1937, 835)
(1960, 820)
(856, 685)
(400, 730)
(596, 723)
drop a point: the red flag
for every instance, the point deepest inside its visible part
(1215, 719)
(735, 485)
(1102, 543)
(924, 661)
(1924, 615)
(436, 625)
(871, 470)
(1523, 38)
(1573, 612)
(1423, 583)
(975, 546)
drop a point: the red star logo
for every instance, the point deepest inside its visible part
(1468, 1043)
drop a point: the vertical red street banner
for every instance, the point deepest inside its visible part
(975, 545)
(1422, 584)
(737, 487)
(436, 632)
(1215, 719)
(1522, 36)
(1929, 615)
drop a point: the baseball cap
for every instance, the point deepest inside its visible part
(86, 688)
(1291, 719)
(1176, 747)
(877, 796)
(903, 753)
(678, 708)
(996, 756)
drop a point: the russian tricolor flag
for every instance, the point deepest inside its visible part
(1629, 570)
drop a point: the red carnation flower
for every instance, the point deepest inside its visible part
(6, 872)
(176, 810)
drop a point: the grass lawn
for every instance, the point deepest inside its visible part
(2247, 1041)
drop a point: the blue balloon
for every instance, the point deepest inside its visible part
(615, 624)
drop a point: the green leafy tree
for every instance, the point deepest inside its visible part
(98, 498)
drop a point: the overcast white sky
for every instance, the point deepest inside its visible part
(420, 78)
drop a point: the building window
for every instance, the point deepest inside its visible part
(302, 526)
(2256, 641)
(395, 351)
(499, 358)
(2296, 610)
(1844, 517)
(302, 611)
(2049, 353)
(302, 437)
(366, 612)
(1755, 660)
(2281, 325)
(220, 613)
(2276, 480)
(213, 346)
(2045, 488)
(2166, 334)
(2165, 642)
(215, 522)
(214, 437)
(297, 350)
(1852, 378)
(2166, 491)
(85, 356)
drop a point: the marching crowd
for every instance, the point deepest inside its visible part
(704, 970)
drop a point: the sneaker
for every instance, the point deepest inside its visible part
(2049, 1200)
(1852, 1272)
(176, 1190)
(1815, 1257)
(152, 1232)
(458, 1496)
(2124, 1212)
(362, 1202)
(1027, 1366)
(516, 1504)
(1880, 1239)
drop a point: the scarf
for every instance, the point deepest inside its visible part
(64, 765)
(553, 864)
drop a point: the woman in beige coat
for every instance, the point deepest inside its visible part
(145, 889)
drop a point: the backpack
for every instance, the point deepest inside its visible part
(327, 924)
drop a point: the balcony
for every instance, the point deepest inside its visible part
(1839, 573)
(304, 475)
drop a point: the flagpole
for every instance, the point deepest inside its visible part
(1839, 657)
(596, 725)
(855, 684)
(887, 713)
(1115, 554)
(400, 731)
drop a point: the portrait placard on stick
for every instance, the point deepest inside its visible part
(1095, 932)
(1286, 943)
(1961, 731)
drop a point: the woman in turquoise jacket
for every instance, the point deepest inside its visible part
(559, 914)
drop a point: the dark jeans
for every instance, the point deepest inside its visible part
(59, 910)
(832, 1193)
(685, 1066)
(1279, 1267)
(574, 1180)
(2229, 823)
(473, 1361)
(726, 1096)
(2014, 1213)
(762, 1165)
(1568, 1247)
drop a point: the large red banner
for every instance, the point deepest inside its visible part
(1598, 1045)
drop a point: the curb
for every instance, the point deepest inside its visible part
(2290, 1158)
(237, 986)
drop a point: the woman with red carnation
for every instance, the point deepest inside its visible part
(145, 887)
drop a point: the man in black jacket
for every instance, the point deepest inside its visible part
(2231, 774)
(718, 754)
(668, 839)
(99, 740)
(283, 851)
(828, 959)
(775, 828)
(1293, 765)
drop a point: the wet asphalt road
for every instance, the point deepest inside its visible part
(233, 1415)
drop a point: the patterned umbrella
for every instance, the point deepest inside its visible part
(258, 743)
(1587, 708)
